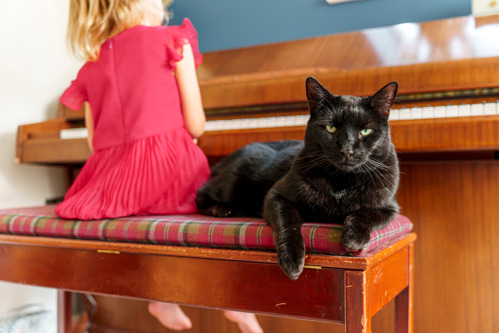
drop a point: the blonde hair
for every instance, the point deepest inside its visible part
(91, 22)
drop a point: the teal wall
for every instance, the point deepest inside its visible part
(226, 24)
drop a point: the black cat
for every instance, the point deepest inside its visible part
(346, 171)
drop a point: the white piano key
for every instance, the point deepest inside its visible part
(272, 122)
(210, 125)
(439, 111)
(73, 133)
(490, 109)
(300, 120)
(394, 114)
(304, 119)
(295, 121)
(242, 123)
(253, 123)
(416, 113)
(232, 124)
(218, 124)
(404, 113)
(451, 111)
(477, 109)
(282, 121)
(245, 122)
(464, 110)
(428, 112)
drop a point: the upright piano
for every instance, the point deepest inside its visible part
(445, 127)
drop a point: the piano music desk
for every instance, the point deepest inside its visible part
(338, 289)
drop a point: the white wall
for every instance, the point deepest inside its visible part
(35, 67)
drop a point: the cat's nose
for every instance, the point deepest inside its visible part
(346, 152)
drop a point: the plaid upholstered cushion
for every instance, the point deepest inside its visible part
(186, 230)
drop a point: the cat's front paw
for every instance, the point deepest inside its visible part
(216, 210)
(292, 260)
(354, 236)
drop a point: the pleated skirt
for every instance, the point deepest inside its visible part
(156, 175)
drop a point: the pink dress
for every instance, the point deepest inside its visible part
(144, 160)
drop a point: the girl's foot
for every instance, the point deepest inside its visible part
(170, 315)
(247, 322)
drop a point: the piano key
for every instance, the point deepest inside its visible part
(440, 111)
(464, 110)
(490, 109)
(73, 133)
(416, 113)
(428, 112)
(477, 109)
(394, 114)
(404, 113)
(451, 111)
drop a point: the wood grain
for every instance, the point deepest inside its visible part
(454, 208)
(380, 47)
(315, 260)
(414, 136)
(386, 280)
(357, 306)
(357, 63)
(246, 286)
(404, 302)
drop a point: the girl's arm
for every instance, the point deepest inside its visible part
(190, 94)
(89, 124)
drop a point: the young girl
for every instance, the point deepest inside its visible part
(145, 110)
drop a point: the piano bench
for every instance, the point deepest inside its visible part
(210, 262)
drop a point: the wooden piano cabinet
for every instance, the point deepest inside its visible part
(342, 290)
(454, 206)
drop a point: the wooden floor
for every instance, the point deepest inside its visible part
(455, 210)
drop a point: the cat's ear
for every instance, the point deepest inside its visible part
(316, 93)
(383, 100)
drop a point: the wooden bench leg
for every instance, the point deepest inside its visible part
(404, 319)
(64, 311)
(357, 319)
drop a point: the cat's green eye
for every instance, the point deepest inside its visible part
(330, 128)
(366, 131)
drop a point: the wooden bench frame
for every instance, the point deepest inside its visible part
(343, 290)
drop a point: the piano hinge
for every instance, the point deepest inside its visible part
(312, 267)
(108, 251)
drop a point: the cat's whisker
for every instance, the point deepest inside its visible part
(382, 165)
(372, 169)
(376, 169)
(318, 161)
(366, 170)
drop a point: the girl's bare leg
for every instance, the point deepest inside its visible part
(170, 315)
(246, 321)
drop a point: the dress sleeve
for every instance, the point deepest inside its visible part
(178, 37)
(74, 96)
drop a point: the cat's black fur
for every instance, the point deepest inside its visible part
(347, 174)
